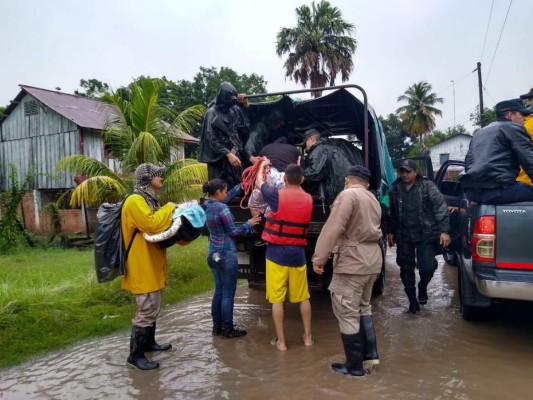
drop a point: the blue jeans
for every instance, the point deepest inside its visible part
(224, 272)
(514, 193)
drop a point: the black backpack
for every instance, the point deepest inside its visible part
(110, 254)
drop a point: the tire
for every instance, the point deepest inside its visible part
(450, 258)
(467, 290)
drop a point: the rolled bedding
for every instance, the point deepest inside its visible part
(188, 220)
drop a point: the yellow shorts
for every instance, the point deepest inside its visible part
(279, 278)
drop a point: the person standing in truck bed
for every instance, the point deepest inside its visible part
(224, 130)
(495, 155)
(325, 166)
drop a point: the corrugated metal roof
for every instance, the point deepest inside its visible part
(85, 112)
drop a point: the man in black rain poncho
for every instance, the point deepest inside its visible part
(327, 164)
(224, 130)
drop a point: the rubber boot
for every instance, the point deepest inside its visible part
(370, 346)
(414, 307)
(136, 359)
(152, 345)
(353, 348)
(425, 278)
(422, 293)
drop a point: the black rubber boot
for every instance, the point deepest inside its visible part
(370, 346)
(353, 348)
(152, 345)
(425, 278)
(422, 293)
(136, 359)
(414, 307)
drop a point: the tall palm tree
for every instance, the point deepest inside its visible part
(136, 133)
(418, 115)
(319, 47)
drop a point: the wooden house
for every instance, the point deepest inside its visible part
(39, 128)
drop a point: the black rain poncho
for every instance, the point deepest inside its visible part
(325, 169)
(224, 130)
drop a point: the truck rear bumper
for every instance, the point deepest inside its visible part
(505, 289)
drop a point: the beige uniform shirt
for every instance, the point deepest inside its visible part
(352, 233)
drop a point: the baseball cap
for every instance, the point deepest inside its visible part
(528, 95)
(408, 165)
(512, 105)
(309, 133)
(359, 170)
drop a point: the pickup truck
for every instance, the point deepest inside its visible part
(338, 113)
(491, 246)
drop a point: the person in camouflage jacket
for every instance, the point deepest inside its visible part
(419, 224)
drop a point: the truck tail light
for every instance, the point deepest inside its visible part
(484, 239)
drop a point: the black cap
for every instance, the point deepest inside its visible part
(359, 170)
(408, 165)
(512, 105)
(308, 134)
(527, 95)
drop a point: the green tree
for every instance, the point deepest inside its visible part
(2, 109)
(12, 232)
(418, 115)
(398, 140)
(137, 134)
(93, 88)
(489, 115)
(319, 47)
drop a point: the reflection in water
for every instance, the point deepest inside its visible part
(430, 355)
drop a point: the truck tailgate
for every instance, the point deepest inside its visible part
(514, 236)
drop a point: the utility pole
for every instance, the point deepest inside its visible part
(453, 85)
(481, 108)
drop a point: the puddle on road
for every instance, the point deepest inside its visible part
(433, 355)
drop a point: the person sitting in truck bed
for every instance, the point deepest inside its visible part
(495, 155)
(528, 124)
(326, 165)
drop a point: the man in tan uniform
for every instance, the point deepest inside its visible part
(352, 232)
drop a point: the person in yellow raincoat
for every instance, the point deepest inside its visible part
(528, 124)
(146, 266)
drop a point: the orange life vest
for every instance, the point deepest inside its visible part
(288, 226)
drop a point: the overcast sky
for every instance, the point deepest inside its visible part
(55, 43)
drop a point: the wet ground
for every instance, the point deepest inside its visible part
(431, 355)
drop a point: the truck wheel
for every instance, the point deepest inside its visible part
(467, 290)
(450, 258)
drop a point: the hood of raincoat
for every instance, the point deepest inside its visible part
(226, 95)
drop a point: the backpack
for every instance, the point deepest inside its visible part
(110, 255)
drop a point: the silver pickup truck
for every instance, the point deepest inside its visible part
(492, 246)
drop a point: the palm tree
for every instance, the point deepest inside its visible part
(319, 47)
(136, 133)
(418, 115)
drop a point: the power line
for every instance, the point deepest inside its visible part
(497, 44)
(486, 31)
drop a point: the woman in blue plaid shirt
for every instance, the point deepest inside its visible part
(222, 254)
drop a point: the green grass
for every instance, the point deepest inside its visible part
(50, 298)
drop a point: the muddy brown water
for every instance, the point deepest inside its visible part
(433, 355)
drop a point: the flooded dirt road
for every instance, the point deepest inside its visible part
(431, 355)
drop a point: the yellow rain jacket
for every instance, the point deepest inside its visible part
(146, 267)
(522, 176)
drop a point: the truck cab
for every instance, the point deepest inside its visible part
(336, 114)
